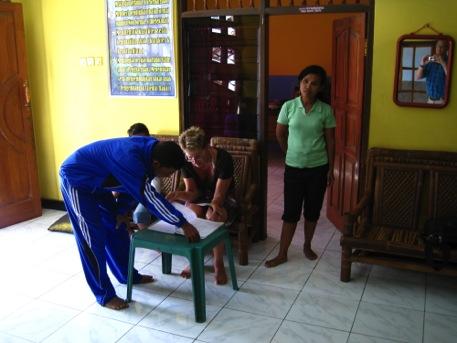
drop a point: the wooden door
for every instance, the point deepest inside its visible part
(19, 193)
(347, 102)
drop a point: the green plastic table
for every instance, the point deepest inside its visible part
(174, 244)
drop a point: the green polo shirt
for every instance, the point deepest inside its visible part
(306, 142)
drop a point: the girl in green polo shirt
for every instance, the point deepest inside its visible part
(305, 131)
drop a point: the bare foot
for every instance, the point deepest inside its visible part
(146, 279)
(221, 276)
(276, 261)
(310, 255)
(186, 273)
(116, 303)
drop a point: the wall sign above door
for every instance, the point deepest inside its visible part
(312, 9)
(141, 48)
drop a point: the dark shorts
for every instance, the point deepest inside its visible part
(304, 188)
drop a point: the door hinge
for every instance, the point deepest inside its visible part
(366, 47)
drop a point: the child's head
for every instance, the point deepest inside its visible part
(138, 129)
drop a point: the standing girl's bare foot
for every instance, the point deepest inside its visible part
(116, 303)
(310, 255)
(276, 261)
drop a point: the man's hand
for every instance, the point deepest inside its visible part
(125, 220)
(132, 228)
(425, 59)
(191, 232)
(122, 219)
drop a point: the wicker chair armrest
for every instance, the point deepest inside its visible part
(248, 198)
(350, 218)
(248, 207)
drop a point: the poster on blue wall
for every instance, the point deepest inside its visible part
(141, 56)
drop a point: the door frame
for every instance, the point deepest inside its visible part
(264, 11)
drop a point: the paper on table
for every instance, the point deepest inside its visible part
(205, 227)
(186, 211)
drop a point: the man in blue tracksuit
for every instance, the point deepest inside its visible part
(88, 178)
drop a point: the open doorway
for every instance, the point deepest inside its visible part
(309, 41)
(252, 96)
(295, 41)
(336, 41)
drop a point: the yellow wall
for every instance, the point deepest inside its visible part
(402, 127)
(71, 104)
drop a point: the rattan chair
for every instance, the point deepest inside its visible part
(173, 181)
(403, 188)
(245, 156)
(246, 162)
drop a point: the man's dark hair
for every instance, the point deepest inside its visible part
(138, 129)
(169, 155)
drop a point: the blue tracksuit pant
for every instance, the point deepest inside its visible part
(93, 217)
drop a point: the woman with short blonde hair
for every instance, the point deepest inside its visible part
(193, 138)
(208, 177)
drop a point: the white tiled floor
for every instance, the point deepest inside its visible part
(45, 298)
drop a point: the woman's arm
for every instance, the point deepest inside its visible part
(419, 73)
(222, 186)
(190, 194)
(219, 213)
(282, 133)
(330, 145)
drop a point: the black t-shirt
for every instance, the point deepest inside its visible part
(223, 169)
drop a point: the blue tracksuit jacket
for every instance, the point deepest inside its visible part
(120, 164)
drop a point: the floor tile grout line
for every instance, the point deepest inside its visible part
(15, 336)
(301, 290)
(358, 305)
(125, 333)
(165, 298)
(296, 297)
(372, 336)
(155, 307)
(317, 325)
(425, 306)
(163, 331)
(220, 310)
(62, 326)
